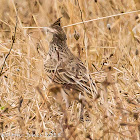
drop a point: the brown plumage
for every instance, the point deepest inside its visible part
(63, 67)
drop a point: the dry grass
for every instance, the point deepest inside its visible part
(30, 108)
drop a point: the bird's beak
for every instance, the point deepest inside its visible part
(49, 29)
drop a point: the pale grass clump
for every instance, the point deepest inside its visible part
(31, 107)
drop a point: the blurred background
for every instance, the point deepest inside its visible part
(110, 47)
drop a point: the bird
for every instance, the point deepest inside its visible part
(63, 67)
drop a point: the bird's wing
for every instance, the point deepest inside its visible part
(71, 73)
(74, 74)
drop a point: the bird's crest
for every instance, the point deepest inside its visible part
(58, 31)
(57, 22)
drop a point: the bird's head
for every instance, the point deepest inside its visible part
(55, 31)
(54, 34)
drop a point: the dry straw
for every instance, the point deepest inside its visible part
(31, 108)
(99, 18)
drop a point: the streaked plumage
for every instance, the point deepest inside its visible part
(62, 66)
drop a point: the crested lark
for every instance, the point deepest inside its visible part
(63, 67)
